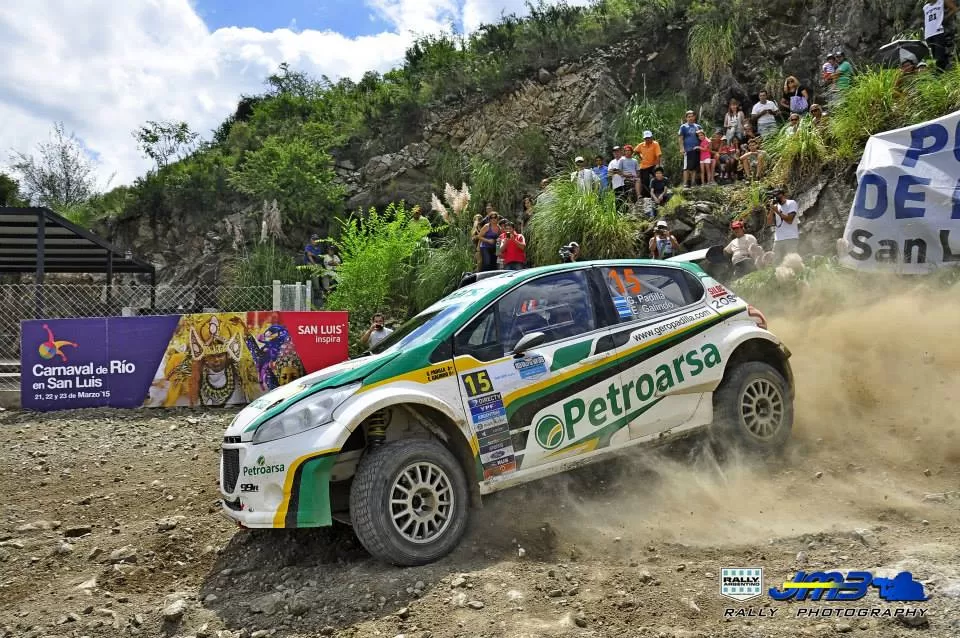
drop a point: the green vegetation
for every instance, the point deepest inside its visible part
(715, 34)
(591, 219)
(797, 157)
(377, 253)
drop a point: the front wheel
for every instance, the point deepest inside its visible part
(753, 409)
(409, 502)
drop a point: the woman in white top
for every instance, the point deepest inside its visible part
(733, 120)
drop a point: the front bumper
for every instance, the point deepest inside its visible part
(275, 484)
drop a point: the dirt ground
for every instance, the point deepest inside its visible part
(109, 523)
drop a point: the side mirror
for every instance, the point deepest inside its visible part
(528, 341)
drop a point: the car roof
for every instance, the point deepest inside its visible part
(489, 287)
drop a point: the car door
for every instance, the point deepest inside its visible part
(661, 317)
(519, 404)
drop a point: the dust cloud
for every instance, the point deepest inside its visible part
(876, 418)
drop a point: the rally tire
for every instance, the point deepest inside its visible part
(431, 522)
(753, 410)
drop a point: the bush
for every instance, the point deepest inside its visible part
(377, 254)
(590, 219)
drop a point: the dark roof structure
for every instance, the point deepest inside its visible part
(38, 240)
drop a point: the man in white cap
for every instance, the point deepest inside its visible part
(649, 152)
(663, 244)
(584, 176)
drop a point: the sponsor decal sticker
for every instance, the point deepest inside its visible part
(440, 373)
(623, 401)
(741, 583)
(262, 467)
(249, 487)
(718, 291)
(530, 367)
(489, 417)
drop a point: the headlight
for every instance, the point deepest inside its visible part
(305, 414)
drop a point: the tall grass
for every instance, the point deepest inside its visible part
(590, 219)
(712, 47)
(713, 38)
(797, 157)
(265, 263)
(875, 103)
(438, 273)
(867, 107)
(497, 182)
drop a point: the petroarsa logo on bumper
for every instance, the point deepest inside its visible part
(622, 402)
(263, 468)
(549, 432)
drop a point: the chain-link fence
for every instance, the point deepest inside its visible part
(19, 302)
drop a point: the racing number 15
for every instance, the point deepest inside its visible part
(628, 280)
(477, 383)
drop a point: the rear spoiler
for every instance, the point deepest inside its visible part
(714, 255)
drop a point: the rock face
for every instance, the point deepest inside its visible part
(572, 107)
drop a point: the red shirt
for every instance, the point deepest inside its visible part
(512, 253)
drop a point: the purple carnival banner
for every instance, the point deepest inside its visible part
(199, 360)
(85, 363)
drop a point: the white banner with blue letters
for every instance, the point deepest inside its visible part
(905, 216)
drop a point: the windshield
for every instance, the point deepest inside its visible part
(422, 327)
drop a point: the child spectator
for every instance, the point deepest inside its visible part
(754, 161)
(659, 187)
(706, 159)
(828, 69)
(748, 134)
(729, 158)
(796, 98)
(733, 120)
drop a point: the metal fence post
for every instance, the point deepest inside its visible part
(308, 295)
(276, 295)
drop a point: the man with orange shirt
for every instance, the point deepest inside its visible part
(649, 152)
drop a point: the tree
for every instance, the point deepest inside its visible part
(9, 191)
(60, 175)
(161, 141)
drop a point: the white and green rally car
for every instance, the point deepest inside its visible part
(510, 379)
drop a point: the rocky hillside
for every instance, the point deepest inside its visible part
(570, 107)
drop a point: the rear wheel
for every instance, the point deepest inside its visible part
(753, 409)
(409, 502)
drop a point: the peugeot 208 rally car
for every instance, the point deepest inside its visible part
(507, 380)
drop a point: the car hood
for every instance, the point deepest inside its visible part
(276, 400)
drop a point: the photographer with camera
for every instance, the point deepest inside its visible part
(570, 253)
(783, 214)
(376, 332)
(663, 244)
